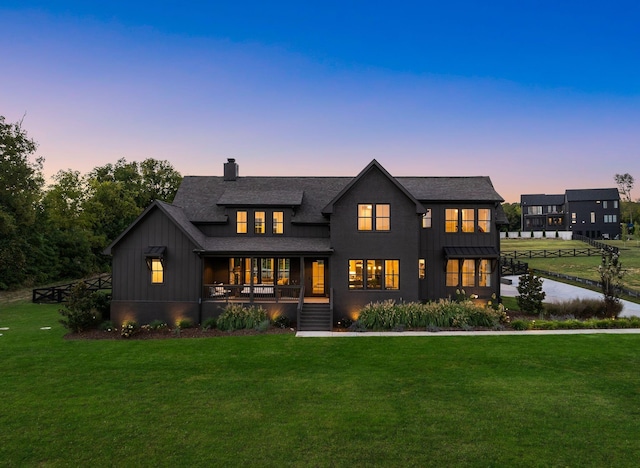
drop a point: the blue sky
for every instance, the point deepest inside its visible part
(541, 96)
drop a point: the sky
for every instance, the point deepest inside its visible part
(541, 96)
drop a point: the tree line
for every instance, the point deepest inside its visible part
(58, 231)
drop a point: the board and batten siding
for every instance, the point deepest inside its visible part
(178, 295)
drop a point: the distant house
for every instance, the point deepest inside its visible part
(316, 249)
(593, 213)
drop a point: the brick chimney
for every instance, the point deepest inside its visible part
(230, 169)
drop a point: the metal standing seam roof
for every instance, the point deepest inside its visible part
(471, 252)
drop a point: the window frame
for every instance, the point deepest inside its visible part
(374, 217)
(369, 274)
(277, 218)
(157, 270)
(260, 222)
(242, 225)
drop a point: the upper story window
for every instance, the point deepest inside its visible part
(426, 219)
(615, 203)
(534, 210)
(465, 220)
(451, 220)
(241, 222)
(278, 222)
(374, 217)
(574, 218)
(604, 204)
(260, 222)
(484, 220)
(468, 220)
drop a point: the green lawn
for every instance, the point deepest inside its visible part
(584, 267)
(277, 400)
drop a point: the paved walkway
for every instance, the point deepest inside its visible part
(557, 291)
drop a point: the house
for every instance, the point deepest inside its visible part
(593, 213)
(316, 249)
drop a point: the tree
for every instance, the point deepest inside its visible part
(513, 211)
(625, 185)
(531, 294)
(21, 184)
(611, 274)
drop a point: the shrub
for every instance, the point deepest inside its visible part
(107, 325)
(611, 274)
(80, 312)
(184, 323)
(581, 308)
(530, 294)
(281, 321)
(263, 326)
(209, 324)
(521, 324)
(238, 317)
(129, 328)
(158, 325)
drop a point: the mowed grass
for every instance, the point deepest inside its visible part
(583, 267)
(278, 400)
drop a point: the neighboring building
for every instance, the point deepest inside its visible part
(594, 213)
(297, 245)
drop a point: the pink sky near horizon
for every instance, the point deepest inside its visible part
(137, 93)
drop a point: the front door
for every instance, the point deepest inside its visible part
(317, 277)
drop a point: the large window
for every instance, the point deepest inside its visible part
(157, 271)
(451, 220)
(241, 222)
(469, 272)
(610, 218)
(484, 220)
(278, 222)
(468, 220)
(260, 222)
(372, 217)
(534, 210)
(484, 273)
(374, 274)
(453, 273)
(465, 220)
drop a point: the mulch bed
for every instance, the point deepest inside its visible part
(143, 334)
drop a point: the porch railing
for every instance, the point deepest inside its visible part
(251, 293)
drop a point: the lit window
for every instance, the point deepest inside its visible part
(356, 274)
(573, 218)
(241, 222)
(426, 219)
(422, 268)
(484, 220)
(392, 274)
(383, 221)
(367, 213)
(484, 273)
(374, 274)
(157, 271)
(284, 271)
(451, 220)
(453, 269)
(468, 221)
(365, 217)
(278, 222)
(259, 225)
(468, 273)
(593, 217)
(266, 271)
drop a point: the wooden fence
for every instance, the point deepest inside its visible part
(58, 294)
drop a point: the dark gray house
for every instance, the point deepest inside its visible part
(593, 213)
(314, 248)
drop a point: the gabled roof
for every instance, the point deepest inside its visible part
(175, 214)
(372, 165)
(204, 199)
(593, 194)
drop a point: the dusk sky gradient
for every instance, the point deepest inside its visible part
(541, 96)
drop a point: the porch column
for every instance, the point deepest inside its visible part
(301, 273)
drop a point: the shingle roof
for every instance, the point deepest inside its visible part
(200, 196)
(539, 199)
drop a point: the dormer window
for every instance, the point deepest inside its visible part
(260, 222)
(241, 222)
